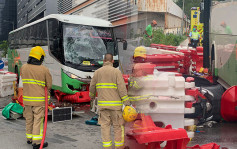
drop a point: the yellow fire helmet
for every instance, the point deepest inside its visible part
(140, 52)
(37, 52)
(129, 113)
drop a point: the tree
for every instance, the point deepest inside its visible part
(4, 47)
(188, 4)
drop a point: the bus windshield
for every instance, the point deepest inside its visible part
(85, 46)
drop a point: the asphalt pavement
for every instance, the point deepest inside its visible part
(75, 134)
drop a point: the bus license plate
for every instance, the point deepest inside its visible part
(86, 63)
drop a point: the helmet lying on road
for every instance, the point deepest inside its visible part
(37, 52)
(129, 114)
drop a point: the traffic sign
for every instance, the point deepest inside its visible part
(1, 64)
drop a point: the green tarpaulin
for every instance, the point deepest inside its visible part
(15, 107)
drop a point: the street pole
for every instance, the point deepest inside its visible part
(206, 46)
(182, 21)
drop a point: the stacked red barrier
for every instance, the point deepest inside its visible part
(164, 47)
(174, 62)
(164, 62)
(192, 57)
(199, 63)
(170, 62)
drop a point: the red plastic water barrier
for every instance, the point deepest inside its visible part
(167, 65)
(165, 47)
(59, 95)
(155, 45)
(157, 58)
(143, 69)
(125, 77)
(199, 49)
(19, 100)
(229, 104)
(144, 131)
(149, 136)
(189, 79)
(79, 97)
(197, 58)
(188, 104)
(206, 146)
(184, 61)
(171, 48)
(195, 93)
(158, 46)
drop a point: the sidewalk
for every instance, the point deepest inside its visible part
(184, 43)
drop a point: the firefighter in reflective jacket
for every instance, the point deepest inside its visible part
(35, 77)
(112, 94)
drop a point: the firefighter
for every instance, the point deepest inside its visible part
(112, 94)
(194, 37)
(35, 77)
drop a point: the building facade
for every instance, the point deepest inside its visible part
(7, 17)
(130, 15)
(31, 10)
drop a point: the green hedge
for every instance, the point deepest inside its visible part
(160, 38)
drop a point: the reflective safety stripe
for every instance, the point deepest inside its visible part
(131, 84)
(138, 98)
(125, 98)
(110, 103)
(36, 99)
(107, 144)
(39, 137)
(119, 143)
(195, 35)
(33, 81)
(122, 138)
(29, 136)
(106, 85)
(135, 85)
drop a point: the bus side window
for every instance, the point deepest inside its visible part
(55, 41)
(16, 40)
(10, 40)
(42, 34)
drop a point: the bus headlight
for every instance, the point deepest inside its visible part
(74, 76)
(69, 74)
